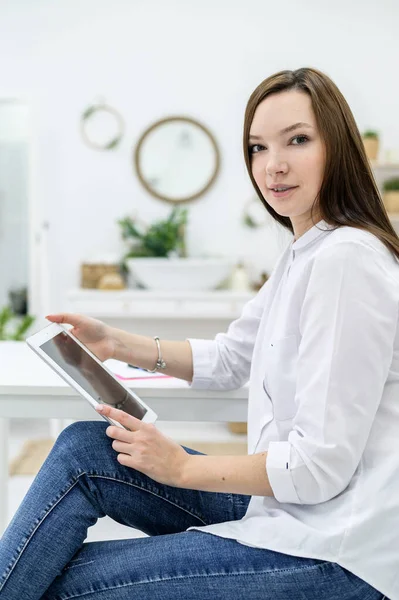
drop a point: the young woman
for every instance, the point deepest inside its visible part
(312, 511)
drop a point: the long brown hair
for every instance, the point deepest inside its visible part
(348, 194)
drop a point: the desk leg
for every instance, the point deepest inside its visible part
(4, 477)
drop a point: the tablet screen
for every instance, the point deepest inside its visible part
(95, 380)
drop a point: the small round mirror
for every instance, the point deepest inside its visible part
(177, 159)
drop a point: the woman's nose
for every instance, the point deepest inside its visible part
(276, 165)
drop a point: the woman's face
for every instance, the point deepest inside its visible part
(288, 158)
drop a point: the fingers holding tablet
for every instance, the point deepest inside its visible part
(128, 421)
(145, 448)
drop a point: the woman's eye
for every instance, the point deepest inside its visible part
(300, 137)
(255, 148)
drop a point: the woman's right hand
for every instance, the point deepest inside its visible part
(94, 334)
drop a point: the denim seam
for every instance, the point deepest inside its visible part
(80, 564)
(13, 564)
(144, 489)
(197, 576)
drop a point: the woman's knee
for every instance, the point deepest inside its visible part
(84, 439)
(81, 430)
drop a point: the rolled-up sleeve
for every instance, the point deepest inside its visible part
(348, 323)
(224, 363)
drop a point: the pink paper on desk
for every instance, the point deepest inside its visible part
(124, 372)
(160, 376)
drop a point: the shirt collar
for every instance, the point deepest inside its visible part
(309, 236)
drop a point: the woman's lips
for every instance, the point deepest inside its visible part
(283, 194)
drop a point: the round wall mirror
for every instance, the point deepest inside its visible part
(177, 159)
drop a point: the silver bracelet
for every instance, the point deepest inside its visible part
(160, 364)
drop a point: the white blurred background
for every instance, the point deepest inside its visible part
(154, 58)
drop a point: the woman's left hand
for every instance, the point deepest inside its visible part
(145, 448)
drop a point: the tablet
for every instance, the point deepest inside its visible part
(83, 371)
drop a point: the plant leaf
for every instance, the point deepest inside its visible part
(23, 327)
(113, 143)
(88, 112)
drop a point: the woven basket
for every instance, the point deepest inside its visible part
(238, 427)
(91, 273)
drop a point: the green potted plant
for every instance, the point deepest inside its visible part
(391, 194)
(156, 258)
(161, 239)
(371, 143)
(13, 326)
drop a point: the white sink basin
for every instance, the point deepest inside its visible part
(179, 273)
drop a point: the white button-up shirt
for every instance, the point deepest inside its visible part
(319, 344)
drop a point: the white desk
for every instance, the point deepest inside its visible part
(30, 389)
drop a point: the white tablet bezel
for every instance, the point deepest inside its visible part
(35, 342)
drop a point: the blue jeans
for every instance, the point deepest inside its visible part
(43, 554)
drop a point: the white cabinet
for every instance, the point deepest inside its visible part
(172, 315)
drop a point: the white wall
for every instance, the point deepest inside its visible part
(153, 58)
(14, 211)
